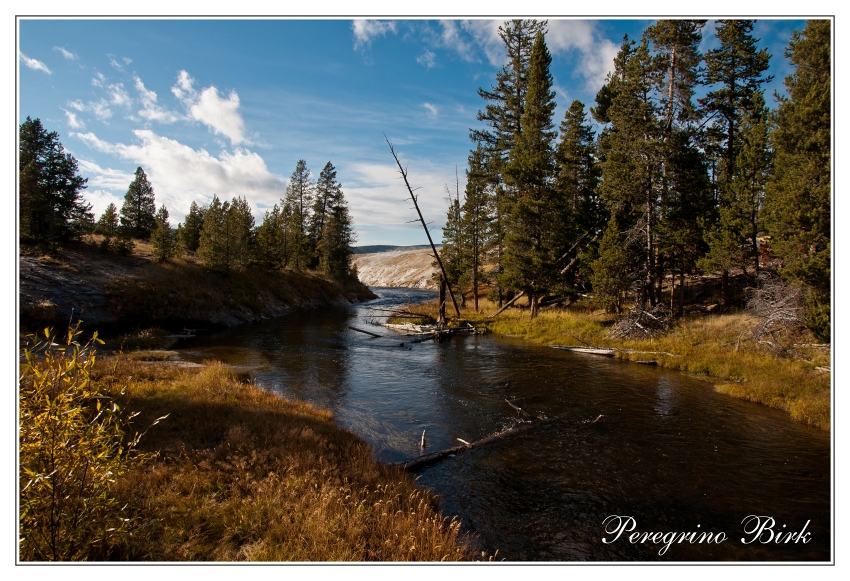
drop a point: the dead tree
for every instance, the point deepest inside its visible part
(403, 173)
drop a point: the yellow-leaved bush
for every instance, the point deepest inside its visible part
(73, 446)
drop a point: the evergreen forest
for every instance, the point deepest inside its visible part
(680, 169)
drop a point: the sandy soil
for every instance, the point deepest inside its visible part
(399, 268)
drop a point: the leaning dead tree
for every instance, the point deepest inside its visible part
(403, 173)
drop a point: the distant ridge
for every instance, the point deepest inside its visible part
(387, 248)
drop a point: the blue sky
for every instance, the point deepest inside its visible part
(230, 106)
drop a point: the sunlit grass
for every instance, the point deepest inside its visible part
(245, 475)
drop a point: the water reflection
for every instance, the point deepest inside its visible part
(670, 451)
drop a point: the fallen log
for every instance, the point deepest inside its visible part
(527, 425)
(519, 409)
(362, 331)
(591, 350)
(508, 304)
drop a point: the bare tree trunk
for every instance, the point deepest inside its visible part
(682, 292)
(441, 318)
(533, 301)
(724, 282)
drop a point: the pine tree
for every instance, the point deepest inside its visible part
(190, 230)
(476, 218)
(299, 197)
(272, 250)
(798, 196)
(737, 68)
(454, 251)
(52, 208)
(162, 237)
(578, 207)
(214, 249)
(613, 272)
(240, 232)
(137, 213)
(528, 260)
(326, 189)
(107, 224)
(503, 116)
(631, 157)
(337, 238)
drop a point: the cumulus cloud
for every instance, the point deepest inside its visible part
(426, 59)
(151, 110)
(111, 179)
(432, 110)
(100, 199)
(213, 110)
(181, 174)
(595, 52)
(98, 80)
(366, 30)
(34, 64)
(66, 53)
(73, 122)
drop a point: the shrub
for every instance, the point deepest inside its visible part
(73, 446)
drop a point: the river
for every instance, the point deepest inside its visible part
(670, 452)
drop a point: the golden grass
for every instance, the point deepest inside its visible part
(715, 347)
(244, 475)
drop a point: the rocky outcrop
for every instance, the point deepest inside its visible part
(398, 268)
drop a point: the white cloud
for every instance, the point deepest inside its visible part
(118, 95)
(150, 108)
(127, 61)
(432, 110)
(426, 59)
(100, 199)
(100, 108)
(115, 63)
(111, 179)
(66, 53)
(73, 122)
(94, 142)
(34, 64)
(485, 33)
(181, 174)
(98, 80)
(582, 36)
(451, 38)
(366, 30)
(377, 196)
(219, 114)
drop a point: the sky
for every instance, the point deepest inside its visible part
(228, 107)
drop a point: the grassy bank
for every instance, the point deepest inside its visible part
(718, 348)
(237, 474)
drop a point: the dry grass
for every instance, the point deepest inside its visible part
(716, 347)
(245, 475)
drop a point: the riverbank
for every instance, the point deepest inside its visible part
(717, 347)
(121, 293)
(239, 474)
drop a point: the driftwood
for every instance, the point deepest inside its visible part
(422, 443)
(524, 426)
(362, 331)
(519, 409)
(591, 350)
(509, 303)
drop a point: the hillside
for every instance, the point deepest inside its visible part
(398, 268)
(112, 293)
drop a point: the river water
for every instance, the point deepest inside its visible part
(670, 452)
